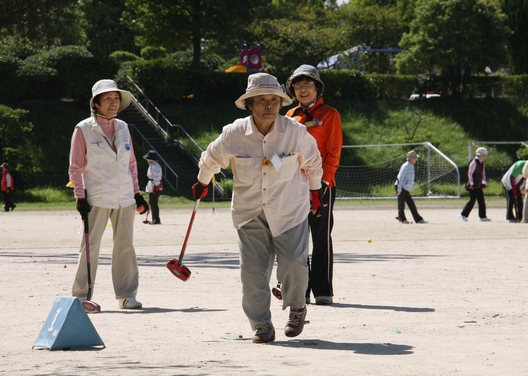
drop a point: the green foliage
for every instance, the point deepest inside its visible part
(47, 195)
(38, 81)
(522, 153)
(10, 87)
(516, 12)
(306, 36)
(454, 35)
(41, 22)
(227, 185)
(123, 56)
(102, 24)
(16, 136)
(77, 70)
(183, 24)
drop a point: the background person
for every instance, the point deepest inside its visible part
(475, 184)
(514, 183)
(404, 185)
(154, 186)
(275, 165)
(103, 171)
(8, 186)
(324, 124)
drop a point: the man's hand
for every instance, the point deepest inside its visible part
(483, 186)
(199, 191)
(141, 205)
(83, 208)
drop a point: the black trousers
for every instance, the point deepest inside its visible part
(514, 201)
(322, 259)
(154, 207)
(475, 194)
(403, 198)
(7, 198)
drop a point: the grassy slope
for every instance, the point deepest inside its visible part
(448, 124)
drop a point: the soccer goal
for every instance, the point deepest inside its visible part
(370, 171)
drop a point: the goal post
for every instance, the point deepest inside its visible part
(370, 171)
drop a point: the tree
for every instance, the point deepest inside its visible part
(517, 19)
(40, 22)
(456, 36)
(180, 24)
(289, 39)
(103, 27)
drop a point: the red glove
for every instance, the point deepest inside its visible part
(515, 191)
(199, 191)
(471, 186)
(316, 198)
(483, 186)
(155, 189)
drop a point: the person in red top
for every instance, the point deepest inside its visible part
(8, 185)
(324, 124)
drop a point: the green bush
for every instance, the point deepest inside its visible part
(123, 56)
(39, 81)
(10, 87)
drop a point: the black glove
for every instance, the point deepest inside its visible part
(141, 205)
(83, 207)
(199, 191)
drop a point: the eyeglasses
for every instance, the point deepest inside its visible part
(303, 85)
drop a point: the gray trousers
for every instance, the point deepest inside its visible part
(125, 274)
(257, 254)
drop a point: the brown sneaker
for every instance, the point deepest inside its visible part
(295, 324)
(264, 334)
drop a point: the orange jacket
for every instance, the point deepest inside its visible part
(325, 127)
(5, 173)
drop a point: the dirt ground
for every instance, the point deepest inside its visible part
(445, 298)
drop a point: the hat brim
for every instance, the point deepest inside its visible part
(126, 98)
(241, 102)
(289, 81)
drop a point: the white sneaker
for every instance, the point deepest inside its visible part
(129, 303)
(486, 219)
(462, 218)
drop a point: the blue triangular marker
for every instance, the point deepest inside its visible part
(68, 327)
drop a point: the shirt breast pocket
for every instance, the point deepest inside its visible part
(244, 170)
(288, 169)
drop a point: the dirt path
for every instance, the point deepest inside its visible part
(446, 298)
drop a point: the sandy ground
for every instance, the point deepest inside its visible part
(446, 298)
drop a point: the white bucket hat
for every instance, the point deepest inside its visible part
(104, 86)
(412, 155)
(482, 151)
(262, 84)
(304, 70)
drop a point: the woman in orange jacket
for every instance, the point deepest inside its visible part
(324, 124)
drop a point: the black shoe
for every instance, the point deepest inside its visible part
(158, 222)
(13, 207)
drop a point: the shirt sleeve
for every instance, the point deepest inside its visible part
(133, 168)
(471, 170)
(212, 160)
(334, 145)
(77, 162)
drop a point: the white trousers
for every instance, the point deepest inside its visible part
(125, 274)
(257, 255)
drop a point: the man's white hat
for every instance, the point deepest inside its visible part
(262, 84)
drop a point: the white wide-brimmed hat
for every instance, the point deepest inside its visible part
(263, 84)
(105, 86)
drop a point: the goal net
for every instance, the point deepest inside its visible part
(370, 171)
